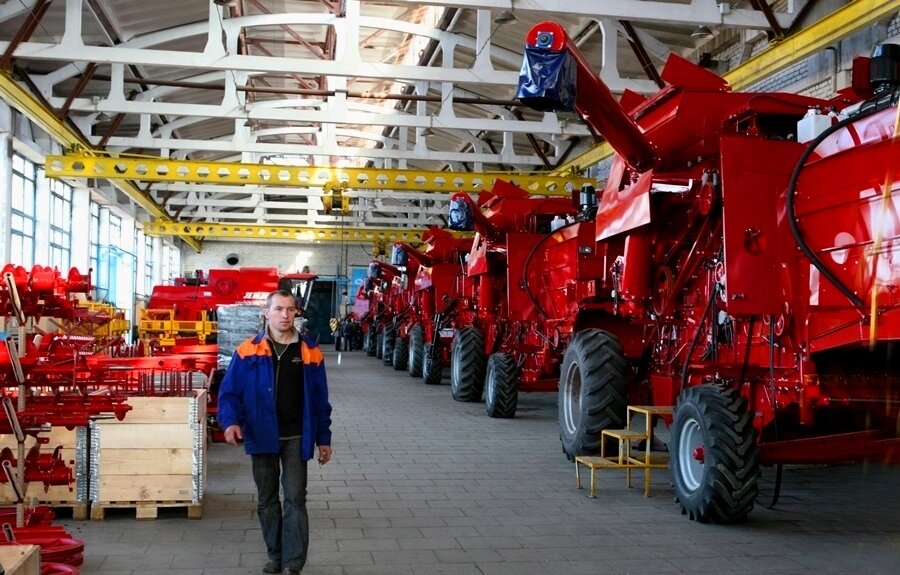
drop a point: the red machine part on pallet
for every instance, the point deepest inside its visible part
(746, 255)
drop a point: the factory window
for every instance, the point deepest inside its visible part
(148, 264)
(60, 224)
(94, 233)
(22, 211)
(115, 231)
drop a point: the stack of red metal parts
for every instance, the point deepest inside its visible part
(61, 554)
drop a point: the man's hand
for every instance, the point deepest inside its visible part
(324, 454)
(233, 434)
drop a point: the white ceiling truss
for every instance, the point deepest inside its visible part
(418, 85)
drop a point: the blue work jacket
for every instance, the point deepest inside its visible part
(247, 397)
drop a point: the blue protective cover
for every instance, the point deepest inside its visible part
(547, 80)
(373, 271)
(460, 218)
(398, 256)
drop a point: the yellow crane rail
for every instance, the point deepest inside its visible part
(325, 177)
(283, 233)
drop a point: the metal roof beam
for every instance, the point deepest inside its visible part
(705, 12)
(330, 149)
(45, 119)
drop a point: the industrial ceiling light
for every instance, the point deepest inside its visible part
(506, 17)
(701, 32)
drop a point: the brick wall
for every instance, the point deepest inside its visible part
(324, 259)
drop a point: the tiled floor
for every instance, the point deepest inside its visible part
(423, 485)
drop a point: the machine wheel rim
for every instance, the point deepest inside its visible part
(691, 468)
(572, 400)
(491, 386)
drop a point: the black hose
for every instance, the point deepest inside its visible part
(776, 491)
(714, 292)
(528, 291)
(791, 195)
(778, 468)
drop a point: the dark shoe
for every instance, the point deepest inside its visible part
(272, 567)
(291, 571)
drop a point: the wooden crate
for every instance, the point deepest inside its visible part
(20, 559)
(155, 457)
(74, 443)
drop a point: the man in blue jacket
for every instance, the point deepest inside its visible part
(274, 397)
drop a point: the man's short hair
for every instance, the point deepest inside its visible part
(282, 293)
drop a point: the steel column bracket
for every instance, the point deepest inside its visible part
(164, 170)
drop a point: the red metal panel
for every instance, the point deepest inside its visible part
(754, 174)
(623, 210)
(847, 202)
(519, 246)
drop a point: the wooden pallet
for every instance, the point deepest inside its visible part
(145, 510)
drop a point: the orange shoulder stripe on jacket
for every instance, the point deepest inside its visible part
(248, 348)
(311, 356)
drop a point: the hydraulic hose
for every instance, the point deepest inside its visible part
(713, 294)
(791, 196)
(533, 251)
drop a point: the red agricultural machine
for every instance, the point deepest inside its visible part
(401, 311)
(502, 344)
(55, 356)
(181, 318)
(438, 273)
(746, 265)
(384, 293)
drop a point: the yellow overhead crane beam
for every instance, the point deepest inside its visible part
(25, 102)
(814, 38)
(378, 236)
(329, 178)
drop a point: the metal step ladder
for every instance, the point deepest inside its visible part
(643, 459)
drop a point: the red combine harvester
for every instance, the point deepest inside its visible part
(748, 272)
(438, 273)
(502, 345)
(383, 293)
(402, 305)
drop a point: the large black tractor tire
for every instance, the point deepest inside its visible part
(432, 369)
(501, 392)
(416, 351)
(379, 344)
(713, 456)
(467, 364)
(369, 342)
(387, 345)
(401, 354)
(593, 388)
